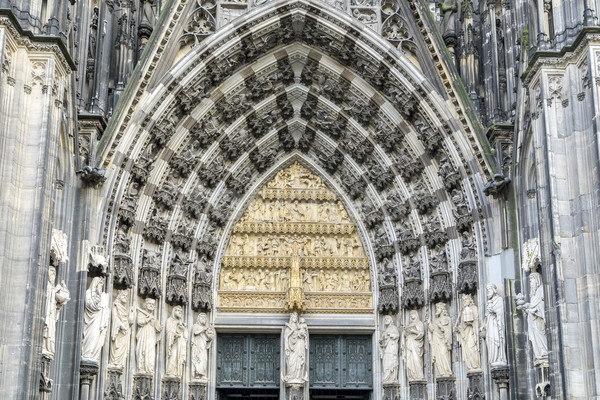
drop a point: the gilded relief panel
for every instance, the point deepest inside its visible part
(295, 249)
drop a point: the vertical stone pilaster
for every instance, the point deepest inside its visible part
(418, 390)
(446, 389)
(142, 387)
(197, 391)
(171, 389)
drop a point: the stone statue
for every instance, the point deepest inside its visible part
(202, 336)
(467, 333)
(177, 337)
(296, 346)
(494, 334)
(441, 341)
(449, 9)
(536, 317)
(56, 297)
(120, 333)
(147, 337)
(389, 350)
(95, 320)
(412, 347)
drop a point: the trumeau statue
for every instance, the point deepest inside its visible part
(536, 318)
(177, 338)
(389, 350)
(467, 333)
(95, 320)
(495, 336)
(148, 335)
(296, 346)
(202, 335)
(56, 297)
(120, 333)
(441, 341)
(412, 347)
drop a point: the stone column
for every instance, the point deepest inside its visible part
(142, 387)
(500, 376)
(197, 391)
(445, 388)
(418, 390)
(88, 369)
(171, 389)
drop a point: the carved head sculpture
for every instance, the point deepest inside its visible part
(150, 304)
(414, 315)
(123, 296)
(52, 276)
(440, 309)
(467, 300)
(97, 284)
(491, 290)
(177, 312)
(294, 317)
(202, 319)
(387, 320)
(535, 281)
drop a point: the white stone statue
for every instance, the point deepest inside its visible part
(296, 346)
(441, 341)
(148, 335)
(56, 297)
(467, 333)
(95, 320)
(388, 345)
(202, 336)
(120, 333)
(177, 338)
(495, 336)
(536, 317)
(412, 347)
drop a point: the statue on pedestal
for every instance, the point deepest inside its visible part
(467, 333)
(296, 346)
(56, 297)
(120, 333)
(494, 334)
(413, 337)
(389, 351)
(202, 336)
(95, 320)
(177, 337)
(148, 335)
(441, 341)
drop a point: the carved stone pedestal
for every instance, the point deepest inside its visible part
(45, 381)
(171, 389)
(294, 391)
(197, 391)
(114, 387)
(391, 392)
(445, 388)
(142, 387)
(500, 377)
(418, 390)
(475, 390)
(542, 374)
(88, 369)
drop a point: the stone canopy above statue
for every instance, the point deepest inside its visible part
(295, 248)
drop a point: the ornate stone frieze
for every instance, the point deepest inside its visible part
(149, 275)
(407, 165)
(166, 196)
(195, 203)
(424, 200)
(372, 216)
(176, 292)
(407, 241)
(450, 176)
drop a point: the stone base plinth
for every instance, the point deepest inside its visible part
(197, 391)
(475, 390)
(542, 375)
(114, 387)
(294, 391)
(391, 391)
(171, 389)
(445, 388)
(142, 387)
(45, 381)
(418, 390)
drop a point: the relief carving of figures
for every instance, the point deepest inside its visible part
(148, 335)
(296, 346)
(202, 335)
(467, 333)
(120, 332)
(56, 297)
(441, 341)
(494, 334)
(413, 338)
(95, 320)
(536, 317)
(388, 345)
(177, 337)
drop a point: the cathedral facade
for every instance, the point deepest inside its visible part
(299, 199)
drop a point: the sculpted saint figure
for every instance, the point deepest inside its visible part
(389, 350)
(494, 327)
(296, 345)
(177, 337)
(202, 336)
(120, 332)
(148, 335)
(467, 333)
(95, 320)
(56, 297)
(412, 347)
(536, 316)
(441, 341)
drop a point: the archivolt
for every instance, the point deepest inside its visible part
(296, 77)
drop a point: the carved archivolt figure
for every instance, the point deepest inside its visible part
(495, 337)
(389, 350)
(120, 333)
(412, 347)
(296, 345)
(148, 335)
(536, 317)
(56, 297)
(177, 337)
(95, 320)
(202, 336)
(441, 341)
(467, 333)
